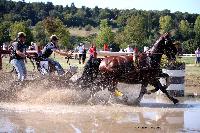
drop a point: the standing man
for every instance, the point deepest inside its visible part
(80, 51)
(48, 50)
(18, 56)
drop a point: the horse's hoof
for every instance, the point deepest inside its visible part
(125, 98)
(136, 102)
(175, 101)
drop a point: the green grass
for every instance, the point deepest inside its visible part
(192, 70)
(188, 60)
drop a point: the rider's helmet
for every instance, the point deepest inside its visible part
(21, 34)
(53, 38)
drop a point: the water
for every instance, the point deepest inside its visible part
(55, 105)
(97, 118)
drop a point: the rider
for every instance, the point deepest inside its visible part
(48, 50)
(18, 56)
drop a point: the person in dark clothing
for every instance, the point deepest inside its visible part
(83, 55)
(18, 55)
(114, 47)
(48, 50)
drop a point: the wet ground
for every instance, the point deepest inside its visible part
(56, 105)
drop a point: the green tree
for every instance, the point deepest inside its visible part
(165, 24)
(197, 27)
(39, 34)
(4, 32)
(105, 34)
(135, 32)
(55, 26)
(184, 28)
(21, 27)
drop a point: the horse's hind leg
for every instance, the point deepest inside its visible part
(142, 92)
(158, 86)
(112, 87)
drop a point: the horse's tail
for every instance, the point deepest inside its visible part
(90, 72)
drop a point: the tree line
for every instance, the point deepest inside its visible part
(132, 27)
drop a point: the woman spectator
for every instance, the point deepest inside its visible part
(197, 54)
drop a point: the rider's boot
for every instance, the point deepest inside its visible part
(120, 95)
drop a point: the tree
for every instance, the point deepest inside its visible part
(39, 34)
(184, 28)
(197, 27)
(55, 26)
(105, 34)
(4, 32)
(135, 32)
(21, 27)
(165, 24)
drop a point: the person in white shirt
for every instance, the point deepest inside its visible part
(197, 54)
(129, 49)
(80, 50)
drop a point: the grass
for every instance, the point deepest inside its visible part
(82, 32)
(188, 60)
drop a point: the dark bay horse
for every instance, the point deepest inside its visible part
(144, 70)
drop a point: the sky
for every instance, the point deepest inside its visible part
(190, 6)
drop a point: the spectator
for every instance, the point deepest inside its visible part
(129, 49)
(84, 54)
(92, 52)
(121, 50)
(5, 47)
(76, 51)
(33, 46)
(18, 56)
(80, 51)
(105, 47)
(197, 54)
(114, 47)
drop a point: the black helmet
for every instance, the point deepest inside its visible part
(53, 37)
(21, 34)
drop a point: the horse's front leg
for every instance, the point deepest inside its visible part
(158, 86)
(167, 79)
(142, 92)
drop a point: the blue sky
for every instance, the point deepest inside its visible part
(190, 6)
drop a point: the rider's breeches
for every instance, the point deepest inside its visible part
(57, 65)
(20, 68)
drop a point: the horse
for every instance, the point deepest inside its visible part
(143, 69)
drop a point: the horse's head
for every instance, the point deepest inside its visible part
(169, 48)
(165, 46)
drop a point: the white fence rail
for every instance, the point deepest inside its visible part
(188, 55)
(108, 53)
